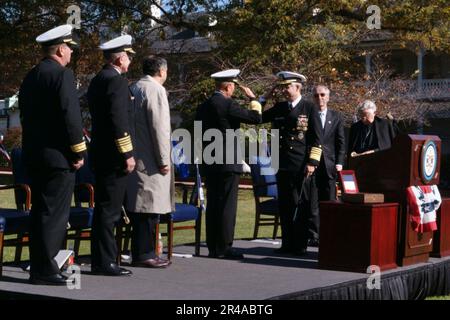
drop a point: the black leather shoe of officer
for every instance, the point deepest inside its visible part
(156, 262)
(112, 269)
(231, 255)
(282, 250)
(313, 242)
(300, 252)
(52, 280)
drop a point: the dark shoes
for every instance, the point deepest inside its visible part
(52, 280)
(112, 269)
(282, 250)
(300, 252)
(313, 243)
(156, 262)
(229, 255)
(295, 252)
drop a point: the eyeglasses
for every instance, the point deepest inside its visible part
(316, 95)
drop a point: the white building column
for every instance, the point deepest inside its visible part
(368, 59)
(420, 55)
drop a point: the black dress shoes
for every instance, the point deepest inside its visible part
(313, 242)
(300, 252)
(156, 262)
(112, 269)
(282, 250)
(52, 280)
(231, 255)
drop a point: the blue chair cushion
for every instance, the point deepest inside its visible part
(80, 218)
(16, 221)
(184, 212)
(269, 206)
(2, 224)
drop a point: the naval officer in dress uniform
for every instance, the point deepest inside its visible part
(53, 148)
(111, 152)
(221, 112)
(300, 152)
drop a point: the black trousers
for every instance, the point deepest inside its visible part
(51, 197)
(326, 186)
(143, 239)
(308, 219)
(109, 196)
(289, 185)
(221, 197)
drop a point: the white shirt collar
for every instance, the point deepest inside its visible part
(323, 111)
(117, 69)
(296, 101)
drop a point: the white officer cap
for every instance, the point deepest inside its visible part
(287, 77)
(58, 35)
(119, 44)
(229, 75)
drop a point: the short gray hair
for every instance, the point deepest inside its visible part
(366, 105)
(322, 86)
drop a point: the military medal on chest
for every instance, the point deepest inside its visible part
(302, 126)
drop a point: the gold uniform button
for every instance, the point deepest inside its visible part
(292, 138)
(281, 137)
(291, 148)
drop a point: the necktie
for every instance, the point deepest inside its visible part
(322, 119)
(290, 106)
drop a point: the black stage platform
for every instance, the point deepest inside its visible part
(261, 275)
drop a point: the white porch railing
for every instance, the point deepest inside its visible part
(430, 88)
(435, 88)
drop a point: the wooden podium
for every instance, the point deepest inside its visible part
(412, 160)
(356, 236)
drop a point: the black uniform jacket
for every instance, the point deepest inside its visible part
(222, 113)
(333, 142)
(299, 133)
(109, 103)
(52, 135)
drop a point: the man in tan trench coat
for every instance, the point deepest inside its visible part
(150, 186)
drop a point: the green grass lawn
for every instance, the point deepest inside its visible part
(245, 223)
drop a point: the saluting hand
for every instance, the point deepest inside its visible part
(248, 92)
(130, 164)
(78, 164)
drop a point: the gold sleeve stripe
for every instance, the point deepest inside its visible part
(80, 147)
(124, 139)
(125, 148)
(315, 154)
(256, 106)
(124, 144)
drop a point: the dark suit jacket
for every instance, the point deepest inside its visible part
(52, 133)
(383, 130)
(219, 112)
(295, 146)
(109, 98)
(333, 142)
